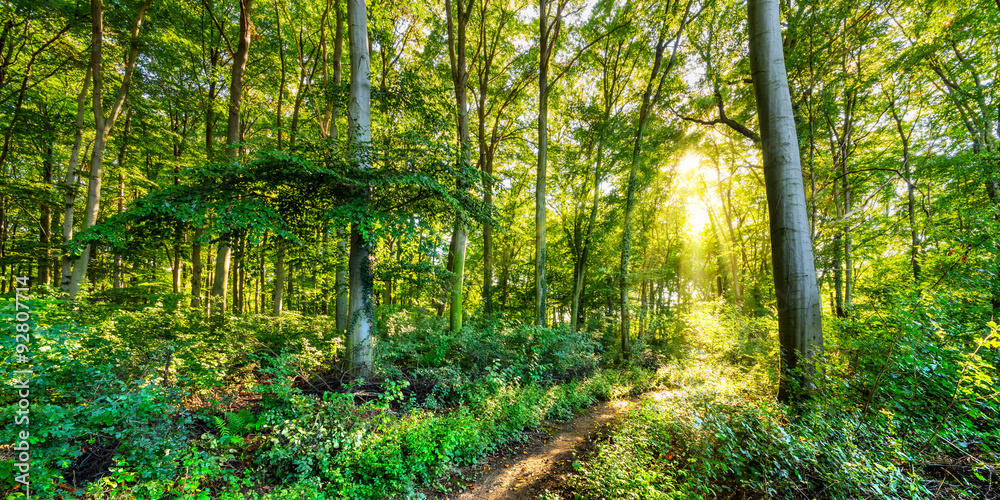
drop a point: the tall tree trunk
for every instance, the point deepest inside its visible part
(910, 196)
(651, 96)
(486, 166)
(457, 23)
(544, 54)
(71, 181)
(284, 76)
(580, 269)
(102, 124)
(838, 275)
(277, 295)
(341, 281)
(362, 321)
(45, 218)
(116, 280)
(221, 284)
(196, 267)
(800, 328)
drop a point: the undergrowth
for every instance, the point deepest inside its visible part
(721, 434)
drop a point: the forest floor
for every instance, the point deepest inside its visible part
(544, 460)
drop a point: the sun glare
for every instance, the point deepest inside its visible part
(689, 175)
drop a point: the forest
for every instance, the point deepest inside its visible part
(500, 249)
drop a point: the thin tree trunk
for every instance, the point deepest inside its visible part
(277, 296)
(545, 53)
(650, 98)
(284, 75)
(45, 218)
(116, 280)
(196, 268)
(910, 196)
(800, 329)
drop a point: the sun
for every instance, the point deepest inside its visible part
(689, 176)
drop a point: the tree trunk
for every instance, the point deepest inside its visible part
(221, 284)
(116, 280)
(102, 124)
(460, 77)
(45, 218)
(545, 52)
(362, 321)
(277, 295)
(341, 282)
(800, 329)
(282, 81)
(71, 180)
(910, 197)
(196, 268)
(650, 98)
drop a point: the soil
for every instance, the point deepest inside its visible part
(526, 470)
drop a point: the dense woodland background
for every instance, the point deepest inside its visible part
(548, 209)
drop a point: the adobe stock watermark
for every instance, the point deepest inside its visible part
(22, 378)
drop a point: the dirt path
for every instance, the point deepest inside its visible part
(525, 471)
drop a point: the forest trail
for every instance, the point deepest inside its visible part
(523, 472)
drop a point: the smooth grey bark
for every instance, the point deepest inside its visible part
(341, 281)
(71, 180)
(220, 286)
(800, 328)
(103, 124)
(361, 279)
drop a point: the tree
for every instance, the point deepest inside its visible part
(220, 284)
(650, 98)
(71, 180)
(800, 329)
(361, 278)
(103, 124)
(457, 23)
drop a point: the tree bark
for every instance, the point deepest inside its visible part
(341, 281)
(904, 138)
(650, 98)
(221, 284)
(196, 268)
(457, 24)
(102, 124)
(116, 280)
(277, 295)
(45, 217)
(361, 309)
(545, 53)
(800, 329)
(71, 181)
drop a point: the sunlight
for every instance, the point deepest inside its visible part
(688, 173)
